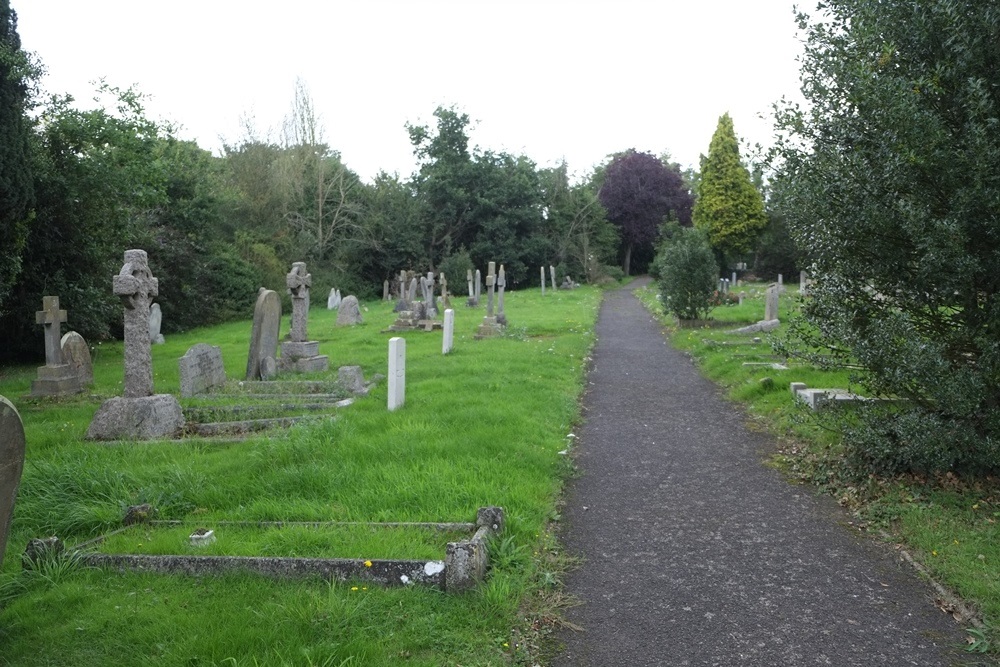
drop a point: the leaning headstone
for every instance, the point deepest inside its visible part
(350, 312)
(11, 465)
(411, 295)
(543, 281)
(155, 322)
(76, 354)
(264, 333)
(55, 378)
(771, 303)
(201, 370)
(397, 373)
(449, 331)
(299, 353)
(139, 414)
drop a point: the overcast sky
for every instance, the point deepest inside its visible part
(551, 79)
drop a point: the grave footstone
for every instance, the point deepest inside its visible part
(139, 414)
(55, 378)
(300, 354)
(264, 334)
(155, 323)
(449, 331)
(201, 370)
(350, 312)
(76, 354)
(11, 466)
(397, 373)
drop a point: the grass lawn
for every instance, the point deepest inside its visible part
(948, 525)
(481, 426)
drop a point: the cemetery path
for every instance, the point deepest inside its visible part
(696, 553)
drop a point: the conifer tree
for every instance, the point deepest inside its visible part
(729, 208)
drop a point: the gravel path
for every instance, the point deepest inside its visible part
(695, 553)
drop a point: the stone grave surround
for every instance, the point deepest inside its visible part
(300, 354)
(139, 414)
(55, 378)
(263, 357)
(11, 466)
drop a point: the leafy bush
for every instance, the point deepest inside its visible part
(455, 268)
(687, 273)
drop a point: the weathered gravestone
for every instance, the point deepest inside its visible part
(11, 465)
(490, 326)
(501, 284)
(543, 281)
(427, 295)
(445, 297)
(350, 312)
(385, 290)
(139, 414)
(803, 283)
(201, 370)
(76, 354)
(264, 335)
(771, 303)
(155, 322)
(552, 271)
(55, 378)
(333, 301)
(449, 331)
(479, 288)
(301, 354)
(397, 373)
(468, 278)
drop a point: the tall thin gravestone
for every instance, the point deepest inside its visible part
(397, 373)
(445, 298)
(56, 377)
(479, 286)
(771, 303)
(300, 353)
(139, 414)
(385, 290)
(543, 281)
(552, 271)
(263, 357)
(501, 284)
(468, 278)
(11, 466)
(449, 331)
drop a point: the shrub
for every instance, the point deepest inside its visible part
(687, 273)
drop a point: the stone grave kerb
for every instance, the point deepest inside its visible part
(51, 317)
(136, 287)
(298, 282)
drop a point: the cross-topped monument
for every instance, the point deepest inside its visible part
(490, 326)
(501, 284)
(55, 378)
(136, 287)
(445, 301)
(298, 282)
(491, 279)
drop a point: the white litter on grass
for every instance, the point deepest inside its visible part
(434, 567)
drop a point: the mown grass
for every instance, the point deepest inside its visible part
(949, 525)
(483, 425)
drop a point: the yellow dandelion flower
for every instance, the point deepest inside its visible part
(934, 553)
(368, 563)
(354, 588)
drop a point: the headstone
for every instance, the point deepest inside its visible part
(351, 379)
(139, 414)
(449, 331)
(301, 354)
(350, 312)
(445, 298)
(155, 322)
(732, 282)
(331, 300)
(552, 272)
(265, 332)
(479, 287)
(771, 303)
(802, 283)
(468, 277)
(11, 465)
(781, 283)
(411, 295)
(76, 354)
(501, 284)
(543, 281)
(491, 281)
(385, 290)
(55, 378)
(427, 295)
(397, 373)
(201, 370)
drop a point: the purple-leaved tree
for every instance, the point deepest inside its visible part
(640, 192)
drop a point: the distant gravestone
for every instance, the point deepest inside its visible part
(55, 378)
(300, 354)
(543, 281)
(139, 414)
(201, 370)
(350, 312)
(352, 379)
(331, 301)
(155, 322)
(11, 465)
(385, 290)
(411, 294)
(264, 333)
(445, 297)
(490, 326)
(449, 331)
(501, 285)
(468, 278)
(479, 287)
(803, 279)
(397, 373)
(771, 303)
(552, 272)
(76, 355)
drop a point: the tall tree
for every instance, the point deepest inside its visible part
(640, 193)
(729, 209)
(17, 76)
(889, 179)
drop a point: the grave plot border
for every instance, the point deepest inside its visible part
(463, 567)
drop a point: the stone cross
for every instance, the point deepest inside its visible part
(298, 283)
(137, 287)
(51, 318)
(491, 279)
(543, 281)
(501, 283)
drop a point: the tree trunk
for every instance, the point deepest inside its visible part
(628, 259)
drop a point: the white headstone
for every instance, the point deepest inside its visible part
(771, 303)
(449, 331)
(543, 281)
(397, 372)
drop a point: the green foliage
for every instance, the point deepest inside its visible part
(777, 251)
(455, 267)
(889, 181)
(729, 209)
(687, 273)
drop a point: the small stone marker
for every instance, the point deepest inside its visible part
(397, 373)
(543, 281)
(155, 323)
(350, 312)
(55, 378)
(300, 354)
(264, 334)
(771, 303)
(11, 466)
(449, 331)
(201, 370)
(76, 355)
(139, 414)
